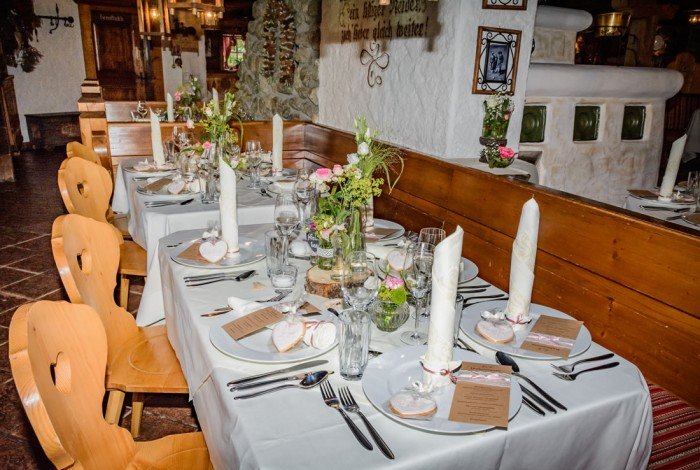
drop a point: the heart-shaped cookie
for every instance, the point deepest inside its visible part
(287, 334)
(176, 187)
(213, 251)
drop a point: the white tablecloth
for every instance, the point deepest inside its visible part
(635, 204)
(608, 424)
(148, 225)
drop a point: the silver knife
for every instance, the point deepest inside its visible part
(246, 386)
(305, 365)
(532, 406)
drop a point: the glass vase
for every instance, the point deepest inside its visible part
(388, 316)
(325, 254)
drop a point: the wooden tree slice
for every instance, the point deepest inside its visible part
(319, 282)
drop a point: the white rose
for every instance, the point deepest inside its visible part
(190, 124)
(353, 159)
(363, 149)
(492, 101)
(208, 111)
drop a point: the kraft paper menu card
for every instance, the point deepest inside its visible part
(157, 185)
(192, 253)
(482, 395)
(553, 336)
(308, 308)
(255, 321)
(643, 193)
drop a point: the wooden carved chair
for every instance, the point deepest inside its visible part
(86, 188)
(58, 353)
(140, 360)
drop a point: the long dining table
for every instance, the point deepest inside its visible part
(148, 225)
(608, 423)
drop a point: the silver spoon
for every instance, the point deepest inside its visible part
(311, 380)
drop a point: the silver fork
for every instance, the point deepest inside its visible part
(569, 368)
(351, 405)
(330, 399)
(572, 377)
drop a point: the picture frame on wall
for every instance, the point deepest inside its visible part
(496, 62)
(504, 4)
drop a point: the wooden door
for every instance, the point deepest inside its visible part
(114, 54)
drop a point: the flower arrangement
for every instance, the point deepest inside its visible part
(390, 310)
(372, 155)
(186, 97)
(498, 156)
(497, 111)
(215, 124)
(393, 290)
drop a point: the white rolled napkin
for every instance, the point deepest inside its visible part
(522, 266)
(170, 107)
(438, 357)
(215, 97)
(674, 161)
(156, 141)
(243, 306)
(277, 142)
(228, 206)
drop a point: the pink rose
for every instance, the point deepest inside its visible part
(177, 96)
(206, 145)
(324, 174)
(506, 152)
(337, 170)
(393, 282)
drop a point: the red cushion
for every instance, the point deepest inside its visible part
(676, 443)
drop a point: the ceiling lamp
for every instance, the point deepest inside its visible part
(612, 24)
(153, 19)
(694, 17)
(207, 11)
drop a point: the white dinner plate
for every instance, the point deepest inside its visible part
(685, 202)
(469, 269)
(396, 370)
(472, 314)
(693, 219)
(167, 169)
(163, 192)
(258, 347)
(382, 223)
(250, 251)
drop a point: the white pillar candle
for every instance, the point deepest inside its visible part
(215, 97)
(447, 258)
(170, 107)
(277, 142)
(674, 161)
(522, 265)
(228, 207)
(156, 141)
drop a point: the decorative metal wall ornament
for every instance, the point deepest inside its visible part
(279, 34)
(496, 62)
(376, 61)
(505, 4)
(55, 20)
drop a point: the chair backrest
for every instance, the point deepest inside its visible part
(76, 149)
(86, 253)
(28, 393)
(67, 350)
(85, 188)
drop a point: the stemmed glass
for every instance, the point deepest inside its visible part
(254, 154)
(418, 268)
(303, 190)
(359, 282)
(286, 220)
(432, 235)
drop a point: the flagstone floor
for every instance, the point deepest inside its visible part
(27, 273)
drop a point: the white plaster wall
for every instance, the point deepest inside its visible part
(54, 86)
(193, 63)
(425, 101)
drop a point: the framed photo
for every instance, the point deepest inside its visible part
(496, 63)
(504, 4)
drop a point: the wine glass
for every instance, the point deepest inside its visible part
(303, 190)
(254, 159)
(418, 267)
(359, 281)
(286, 220)
(253, 146)
(432, 235)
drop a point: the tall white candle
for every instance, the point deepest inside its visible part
(215, 97)
(447, 258)
(171, 108)
(228, 206)
(277, 142)
(522, 265)
(674, 161)
(156, 141)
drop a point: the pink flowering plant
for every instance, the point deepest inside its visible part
(498, 156)
(393, 289)
(390, 310)
(186, 98)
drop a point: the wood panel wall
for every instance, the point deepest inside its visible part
(634, 281)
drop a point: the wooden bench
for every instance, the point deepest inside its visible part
(633, 280)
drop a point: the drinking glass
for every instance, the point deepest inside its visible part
(286, 220)
(432, 235)
(273, 250)
(254, 159)
(459, 306)
(284, 277)
(169, 151)
(353, 343)
(692, 183)
(359, 280)
(417, 272)
(303, 190)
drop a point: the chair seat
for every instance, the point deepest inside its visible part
(146, 363)
(179, 451)
(132, 259)
(121, 222)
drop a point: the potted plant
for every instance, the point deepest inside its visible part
(390, 309)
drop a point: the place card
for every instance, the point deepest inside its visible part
(157, 185)
(192, 253)
(380, 232)
(552, 335)
(253, 322)
(482, 394)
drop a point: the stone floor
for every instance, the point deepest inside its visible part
(27, 272)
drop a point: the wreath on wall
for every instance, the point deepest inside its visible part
(18, 28)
